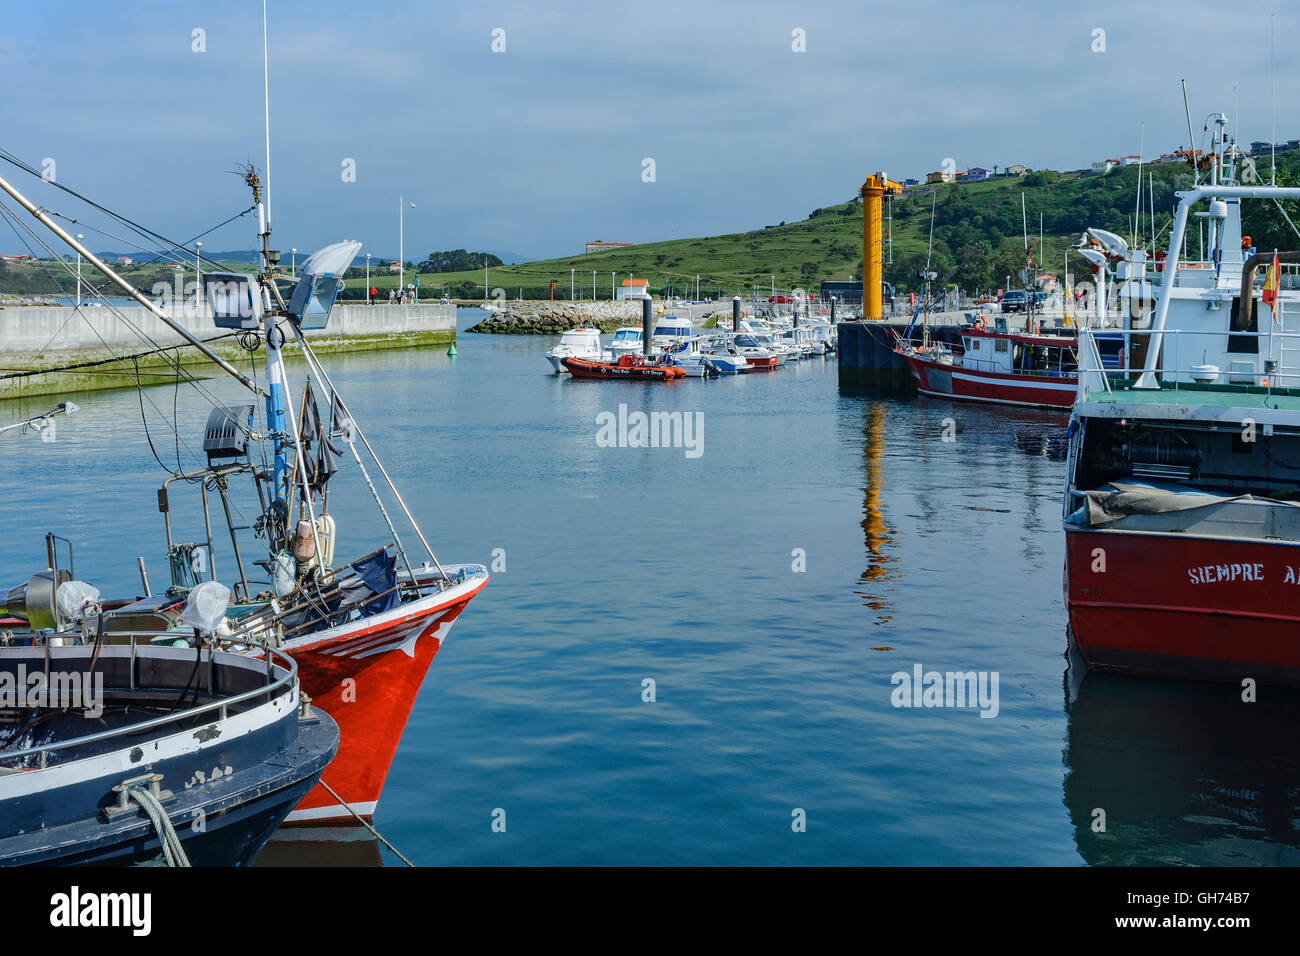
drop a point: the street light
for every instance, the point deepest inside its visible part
(401, 240)
(198, 272)
(368, 302)
(293, 263)
(79, 238)
(571, 272)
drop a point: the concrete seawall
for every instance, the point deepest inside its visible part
(37, 343)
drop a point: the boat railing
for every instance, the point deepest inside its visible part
(1091, 368)
(1274, 363)
(274, 687)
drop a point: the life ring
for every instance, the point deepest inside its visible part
(980, 323)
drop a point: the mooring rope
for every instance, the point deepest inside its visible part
(364, 823)
(173, 852)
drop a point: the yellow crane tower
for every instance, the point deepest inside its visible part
(873, 192)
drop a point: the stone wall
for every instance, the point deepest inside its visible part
(552, 318)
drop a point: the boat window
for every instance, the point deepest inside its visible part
(999, 345)
(624, 335)
(746, 342)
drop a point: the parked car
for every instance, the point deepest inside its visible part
(1014, 300)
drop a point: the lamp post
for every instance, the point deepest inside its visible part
(79, 238)
(611, 285)
(401, 240)
(293, 263)
(571, 272)
(198, 272)
(593, 285)
(368, 302)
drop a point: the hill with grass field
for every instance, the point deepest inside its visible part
(972, 234)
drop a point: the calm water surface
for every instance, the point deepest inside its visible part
(773, 686)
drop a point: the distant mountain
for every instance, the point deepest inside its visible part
(245, 256)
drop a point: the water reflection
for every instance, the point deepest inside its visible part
(876, 532)
(321, 846)
(1186, 773)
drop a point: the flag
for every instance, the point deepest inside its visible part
(1270, 287)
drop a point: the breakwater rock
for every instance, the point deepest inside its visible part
(552, 318)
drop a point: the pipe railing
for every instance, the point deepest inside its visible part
(287, 681)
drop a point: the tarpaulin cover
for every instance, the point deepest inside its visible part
(380, 575)
(1121, 499)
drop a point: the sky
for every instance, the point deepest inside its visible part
(540, 145)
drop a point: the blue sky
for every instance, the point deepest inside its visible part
(539, 148)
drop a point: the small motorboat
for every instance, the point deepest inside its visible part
(626, 341)
(581, 343)
(627, 366)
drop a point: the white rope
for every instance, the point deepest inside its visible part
(173, 852)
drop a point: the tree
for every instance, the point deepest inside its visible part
(458, 260)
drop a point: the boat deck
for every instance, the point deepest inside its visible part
(1196, 394)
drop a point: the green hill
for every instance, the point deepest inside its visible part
(978, 239)
(978, 242)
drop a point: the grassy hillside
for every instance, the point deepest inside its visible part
(978, 241)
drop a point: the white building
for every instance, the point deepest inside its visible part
(634, 289)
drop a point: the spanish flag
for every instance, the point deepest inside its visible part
(1270, 287)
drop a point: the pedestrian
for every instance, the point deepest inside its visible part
(391, 296)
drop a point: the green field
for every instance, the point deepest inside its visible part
(979, 231)
(978, 241)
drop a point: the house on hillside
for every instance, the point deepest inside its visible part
(939, 177)
(1130, 160)
(124, 261)
(634, 289)
(911, 182)
(976, 174)
(1103, 166)
(1017, 169)
(600, 246)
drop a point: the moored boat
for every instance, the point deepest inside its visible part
(581, 343)
(1007, 368)
(1181, 516)
(628, 366)
(364, 632)
(135, 752)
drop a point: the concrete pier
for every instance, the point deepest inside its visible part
(867, 360)
(37, 343)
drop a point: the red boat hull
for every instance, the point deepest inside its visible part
(1177, 606)
(971, 385)
(367, 676)
(582, 368)
(757, 362)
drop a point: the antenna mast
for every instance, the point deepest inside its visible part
(266, 95)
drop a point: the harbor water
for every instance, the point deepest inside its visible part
(691, 654)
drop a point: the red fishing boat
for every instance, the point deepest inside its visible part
(1006, 368)
(364, 632)
(627, 366)
(1181, 516)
